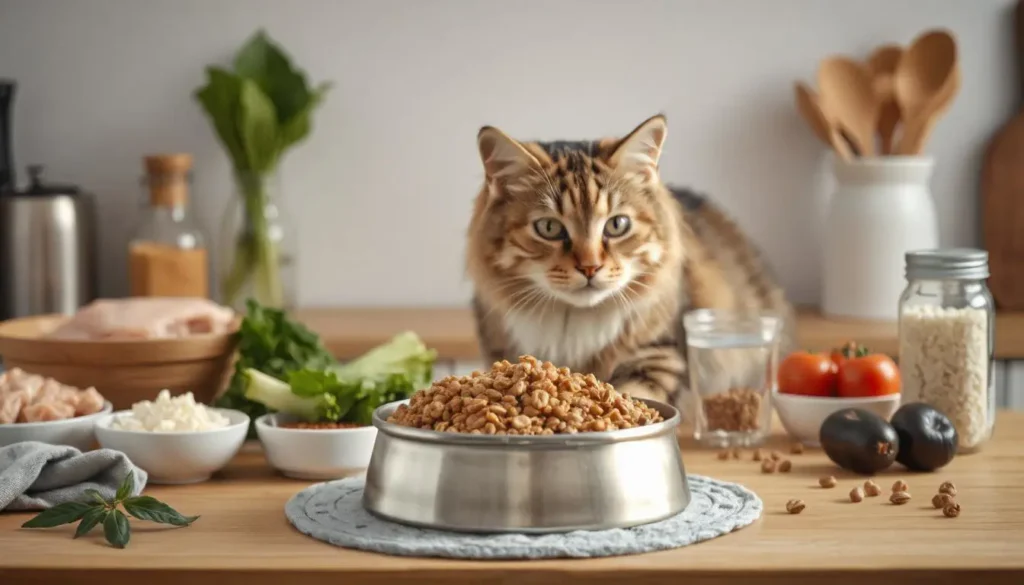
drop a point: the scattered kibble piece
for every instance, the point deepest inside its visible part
(768, 466)
(796, 448)
(736, 453)
(785, 465)
(723, 454)
(947, 487)
(942, 500)
(776, 455)
(758, 455)
(795, 506)
(856, 495)
(899, 498)
(827, 482)
(900, 486)
(952, 510)
(871, 489)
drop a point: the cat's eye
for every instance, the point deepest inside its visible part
(617, 226)
(549, 229)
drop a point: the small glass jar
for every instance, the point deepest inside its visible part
(732, 359)
(947, 333)
(167, 256)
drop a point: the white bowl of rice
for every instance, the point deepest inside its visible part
(176, 440)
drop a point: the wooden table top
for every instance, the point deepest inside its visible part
(349, 332)
(243, 536)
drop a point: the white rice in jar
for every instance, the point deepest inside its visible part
(944, 362)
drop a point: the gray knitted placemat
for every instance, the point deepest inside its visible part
(333, 512)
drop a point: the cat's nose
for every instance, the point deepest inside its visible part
(589, 270)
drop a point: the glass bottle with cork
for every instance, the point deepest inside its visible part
(168, 255)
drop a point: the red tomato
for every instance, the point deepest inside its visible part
(849, 351)
(870, 375)
(809, 374)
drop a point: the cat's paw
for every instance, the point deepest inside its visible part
(641, 390)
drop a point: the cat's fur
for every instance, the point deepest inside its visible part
(533, 295)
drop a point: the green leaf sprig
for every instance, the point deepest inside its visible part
(261, 107)
(98, 511)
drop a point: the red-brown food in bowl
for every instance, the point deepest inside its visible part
(320, 425)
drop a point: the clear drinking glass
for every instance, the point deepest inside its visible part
(732, 358)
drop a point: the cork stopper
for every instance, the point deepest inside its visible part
(167, 178)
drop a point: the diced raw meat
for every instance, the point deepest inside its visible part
(147, 318)
(47, 411)
(26, 397)
(89, 402)
(10, 406)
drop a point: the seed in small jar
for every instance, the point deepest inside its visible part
(952, 510)
(785, 465)
(758, 455)
(795, 506)
(776, 455)
(856, 495)
(768, 466)
(940, 501)
(827, 482)
(723, 454)
(900, 486)
(796, 448)
(899, 498)
(947, 487)
(871, 489)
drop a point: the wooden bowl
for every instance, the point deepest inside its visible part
(125, 372)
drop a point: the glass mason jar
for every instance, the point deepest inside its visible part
(947, 333)
(732, 359)
(257, 258)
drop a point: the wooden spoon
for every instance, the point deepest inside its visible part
(847, 92)
(819, 121)
(925, 83)
(882, 67)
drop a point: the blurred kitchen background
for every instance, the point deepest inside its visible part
(379, 194)
(381, 190)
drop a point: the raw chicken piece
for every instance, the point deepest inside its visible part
(47, 411)
(26, 397)
(10, 406)
(89, 402)
(147, 318)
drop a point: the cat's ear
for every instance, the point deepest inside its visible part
(640, 150)
(502, 156)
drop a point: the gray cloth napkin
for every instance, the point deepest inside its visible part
(37, 476)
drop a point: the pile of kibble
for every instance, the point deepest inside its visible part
(526, 398)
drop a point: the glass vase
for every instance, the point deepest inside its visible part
(257, 245)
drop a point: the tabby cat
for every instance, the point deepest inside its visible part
(581, 256)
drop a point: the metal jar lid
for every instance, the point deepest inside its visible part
(947, 263)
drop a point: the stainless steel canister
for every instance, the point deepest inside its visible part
(47, 249)
(533, 484)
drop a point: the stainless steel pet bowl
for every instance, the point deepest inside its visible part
(526, 484)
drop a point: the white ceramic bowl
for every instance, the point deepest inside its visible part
(315, 454)
(76, 432)
(802, 416)
(179, 457)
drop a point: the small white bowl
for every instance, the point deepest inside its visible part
(315, 454)
(76, 432)
(802, 416)
(178, 457)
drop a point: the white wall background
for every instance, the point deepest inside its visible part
(381, 192)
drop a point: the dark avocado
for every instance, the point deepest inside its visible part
(859, 440)
(928, 439)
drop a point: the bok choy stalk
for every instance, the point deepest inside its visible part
(347, 392)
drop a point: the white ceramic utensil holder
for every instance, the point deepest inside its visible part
(881, 208)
